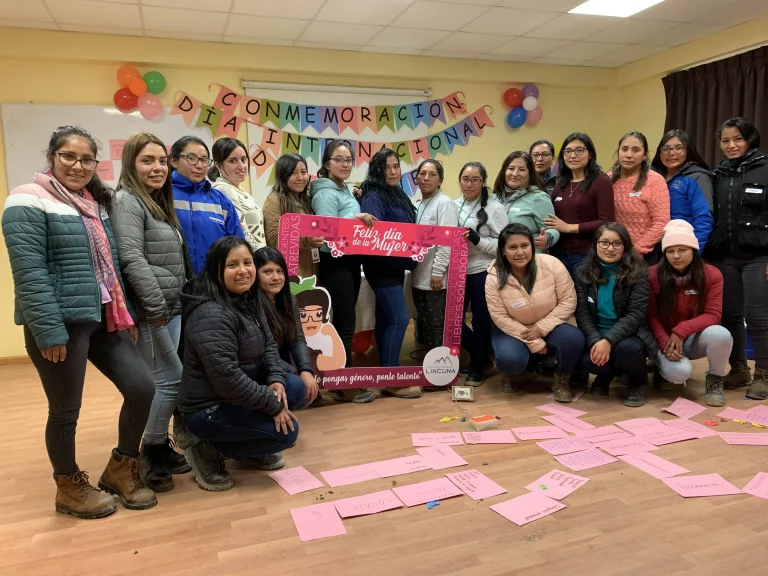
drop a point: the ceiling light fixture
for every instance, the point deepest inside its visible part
(618, 8)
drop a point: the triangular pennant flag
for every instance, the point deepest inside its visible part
(403, 117)
(437, 145)
(364, 152)
(408, 183)
(290, 115)
(229, 125)
(368, 119)
(466, 129)
(227, 100)
(453, 105)
(403, 152)
(310, 117)
(419, 150)
(310, 149)
(385, 117)
(187, 107)
(209, 117)
(348, 118)
(261, 162)
(270, 112)
(435, 111)
(291, 143)
(329, 118)
(250, 108)
(419, 114)
(271, 140)
(482, 120)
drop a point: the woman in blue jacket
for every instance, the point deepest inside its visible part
(689, 182)
(205, 214)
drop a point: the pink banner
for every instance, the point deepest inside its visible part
(351, 236)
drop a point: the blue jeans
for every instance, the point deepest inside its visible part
(627, 357)
(477, 341)
(392, 318)
(571, 261)
(158, 346)
(565, 342)
(240, 433)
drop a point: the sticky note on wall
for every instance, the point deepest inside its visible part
(116, 149)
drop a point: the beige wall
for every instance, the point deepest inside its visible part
(67, 68)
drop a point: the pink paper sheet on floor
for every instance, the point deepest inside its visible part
(701, 485)
(758, 486)
(424, 492)
(642, 426)
(733, 414)
(603, 434)
(745, 438)
(399, 466)
(557, 484)
(757, 416)
(623, 446)
(684, 408)
(560, 410)
(539, 433)
(440, 457)
(317, 521)
(568, 424)
(561, 446)
(489, 437)
(367, 504)
(527, 508)
(669, 436)
(585, 460)
(296, 480)
(654, 465)
(476, 485)
(695, 428)
(349, 475)
(435, 438)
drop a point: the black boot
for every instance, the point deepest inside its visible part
(153, 469)
(635, 396)
(601, 385)
(175, 462)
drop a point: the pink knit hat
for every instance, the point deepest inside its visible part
(679, 233)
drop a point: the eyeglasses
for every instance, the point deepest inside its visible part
(471, 180)
(343, 161)
(604, 244)
(677, 149)
(542, 155)
(70, 160)
(193, 160)
(574, 151)
(316, 316)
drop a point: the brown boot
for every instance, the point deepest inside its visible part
(759, 388)
(561, 386)
(121, 477)
(510, 383)
(738, 376)
(407, 392)
(76, 496)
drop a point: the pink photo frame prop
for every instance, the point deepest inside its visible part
(351, 236)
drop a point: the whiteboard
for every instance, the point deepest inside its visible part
(260, 187)
(28, 127)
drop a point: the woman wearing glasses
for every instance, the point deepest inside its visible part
(340, 276)
(205, 214)
(583, 199)
(70, 299)
(612, 293)
(229, 171)
(689, 182)
(484, 218)
(543, 154)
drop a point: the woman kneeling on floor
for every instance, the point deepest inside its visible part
(612, 301)
(530, 299)
(684, 313)
(229, 351)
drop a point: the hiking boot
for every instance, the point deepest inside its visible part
(121, 477)
(464, 372)
(76, 496)
(739, 376)
(601, 385)
(511, 383)
(355, 395)
(154, 472)
(714, 391)
(268, 462)
(475, 378)
(184, 438)
(635, 397)
(562, 389)
(759, 388)
(409, 392)
(208, 465)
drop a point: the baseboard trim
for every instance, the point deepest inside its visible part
(14, 360)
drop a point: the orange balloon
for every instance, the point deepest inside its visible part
(137, 86)
(127, 73)
(361, 341)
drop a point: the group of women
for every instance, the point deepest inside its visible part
(173, 288)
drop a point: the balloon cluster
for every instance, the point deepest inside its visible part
(524, 106)
(139, 92)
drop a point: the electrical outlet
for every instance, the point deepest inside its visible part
(463, 393)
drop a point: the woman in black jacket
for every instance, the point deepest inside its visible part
(283, 317)
(738, 247)
(612, 293)
(235, 394)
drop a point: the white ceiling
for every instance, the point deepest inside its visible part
(506, 30)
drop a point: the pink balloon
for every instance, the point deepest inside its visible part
(150, 106)
(534, 116)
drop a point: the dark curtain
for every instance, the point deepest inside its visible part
(700, 99)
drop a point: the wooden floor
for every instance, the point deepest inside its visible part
(623, 522)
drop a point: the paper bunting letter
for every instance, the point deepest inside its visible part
(271, 112)
(310, 149)
(261, 162)
(291, 115)
(250, 108)
(419, 114)
(291, 143)
(403, 117)
(452, 138)
(368, 119)
(230, 125)
(364, 152)
(403, 151)
(419, 150)
(482, 120)
(454, 105)
(187, 107)
(227, 100)
(436, 112)
(348, 118)
(385, 117)
(271, 140)
(209, 117)
(437, 145)
(329, 118)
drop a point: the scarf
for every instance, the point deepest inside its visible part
(511, 196)
(117, 315)
(683, 279)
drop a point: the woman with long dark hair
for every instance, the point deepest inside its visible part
(530, 299)
(484, 218)
(340, 276)
(70, 299)
(640, 196)
(155, 266)
(282, 313)
(236, 396)
(290, 195)
(684, 313)
(583, 200)
(204, 213)
(383, 198)
(738, 247)
(689, 182)
(612, 301)
(229, 171)
(518, 188)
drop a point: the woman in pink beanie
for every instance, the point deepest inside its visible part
(684, 312)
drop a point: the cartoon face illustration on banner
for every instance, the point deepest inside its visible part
(325, 345)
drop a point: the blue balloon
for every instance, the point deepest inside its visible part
(516, 117)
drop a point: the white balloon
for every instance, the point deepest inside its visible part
(530, 103)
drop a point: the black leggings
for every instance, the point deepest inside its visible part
(114, 355)
(341, 277)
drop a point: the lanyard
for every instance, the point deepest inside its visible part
(422, 205)
(471, 209)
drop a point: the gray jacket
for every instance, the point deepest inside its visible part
(152, 258)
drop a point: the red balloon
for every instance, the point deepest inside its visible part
(125, 100)
(513, 98)
(361, 342)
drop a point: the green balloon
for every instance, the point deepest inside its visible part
(155, 82)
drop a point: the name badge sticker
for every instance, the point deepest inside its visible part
(635, 194)
(691, 292)
(518, 304)
(754, 190)
(558, 199)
